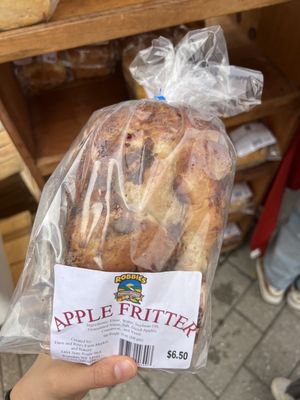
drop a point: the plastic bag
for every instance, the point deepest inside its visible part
(232, 236)
(40, 73)
(132, 45)
(254, 144)
(18, 13)
(92, 61)
(143, 192)
(241, 199)
(130, 50)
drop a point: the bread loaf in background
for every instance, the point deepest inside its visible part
(40, 73)
(91, 61)
(250, 160)
(18, 13)
(40, 76)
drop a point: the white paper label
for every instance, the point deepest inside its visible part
(151, 317)
(231, 230)
(240, 191)
(251, 137)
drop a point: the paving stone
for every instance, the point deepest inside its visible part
(10, 370)
(26, 361)
(96, 394)
(296, 373)
(188, 387)
(246, 386)
(228, 286)
(222, 259)
(279, 351)
(230, 346)
(159, 381)
(136, 389)
(1, 387)
(241, 259)
(257, 310)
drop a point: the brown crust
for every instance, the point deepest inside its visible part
(149, 192)
(41, 76)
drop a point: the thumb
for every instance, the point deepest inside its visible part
(107, 372)
(113, 370)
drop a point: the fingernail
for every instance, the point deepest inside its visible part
(124, 370)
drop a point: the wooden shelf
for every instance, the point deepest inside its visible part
(278, 91)
(16, 234)
(229, 247)
(78, 22)
(59, 115)
(253, 173)
(237, 216)
(18, 189)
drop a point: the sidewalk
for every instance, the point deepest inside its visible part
(252, 343)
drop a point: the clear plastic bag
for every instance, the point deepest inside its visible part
(18, 13)
(254, 144)
(232, 236)
(241, 199)
(131, 48)
(144, 189)
(91, 61)
(132, 45)
(40, 73)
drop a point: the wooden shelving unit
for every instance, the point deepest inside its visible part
(66, 110)
(78, 22)
(15, 233)
(18, 189)
(43, 127)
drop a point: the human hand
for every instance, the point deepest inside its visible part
(50, 379)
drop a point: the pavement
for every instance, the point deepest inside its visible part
(253, 342)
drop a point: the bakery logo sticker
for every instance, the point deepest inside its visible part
(130, 288)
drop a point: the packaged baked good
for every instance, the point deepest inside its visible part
(254, 144)
(131, 47)
(232, 236)
(130, 225)
(134, 44)
(91, 61)
(40, 73)
(241, 199)
(18, 13)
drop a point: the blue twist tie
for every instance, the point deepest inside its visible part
(160, 98)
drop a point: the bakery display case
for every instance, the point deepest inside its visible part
(42, 126)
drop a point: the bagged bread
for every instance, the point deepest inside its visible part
(130, 50)
(241, 198)
(254, 144)
(18, 13)
(132, 45)
(91, 61)
(232, 236)
(130, 225)
(40, 73)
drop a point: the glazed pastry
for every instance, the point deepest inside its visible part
(150, 187)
